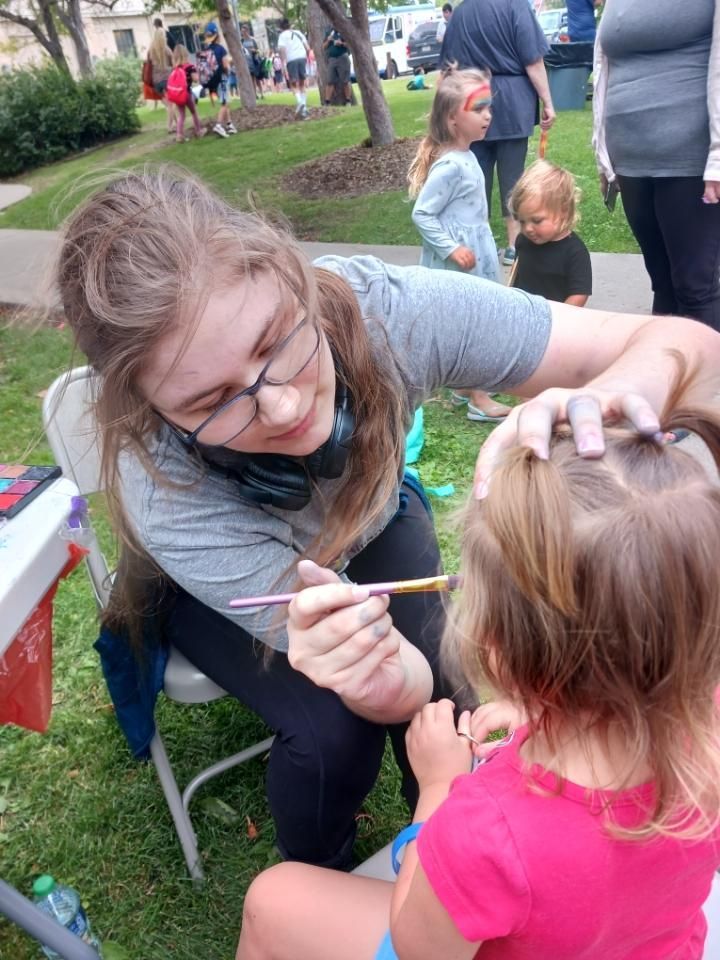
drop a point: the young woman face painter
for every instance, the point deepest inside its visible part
(253, 409)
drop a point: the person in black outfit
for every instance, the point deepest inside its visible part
(551, 259)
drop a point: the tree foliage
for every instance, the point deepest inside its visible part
(47, 20)
(45, 114)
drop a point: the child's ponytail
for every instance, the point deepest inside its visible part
(427, 154)
(536, 541)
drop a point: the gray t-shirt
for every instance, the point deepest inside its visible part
(443, 328)
(656, 114)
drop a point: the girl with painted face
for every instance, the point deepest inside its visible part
(451, 211)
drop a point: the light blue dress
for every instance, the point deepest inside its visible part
(451, 210)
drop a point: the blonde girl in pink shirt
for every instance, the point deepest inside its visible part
(590, 832)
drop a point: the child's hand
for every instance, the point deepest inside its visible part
(496, 715)
(437, 752)
(463, 257)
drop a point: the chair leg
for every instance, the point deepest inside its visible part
(209, 772)
(49, 932)
(183, 826)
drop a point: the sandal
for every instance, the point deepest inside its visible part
(458, 399)
(474, 413)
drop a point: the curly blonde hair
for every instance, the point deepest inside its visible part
(546, 185)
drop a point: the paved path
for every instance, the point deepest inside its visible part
(12, 193)
(619, 278)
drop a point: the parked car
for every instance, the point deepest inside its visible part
(423, 49)
(554, 24)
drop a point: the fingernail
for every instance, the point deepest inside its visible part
(648, 426)
(360, 593)
(481, 490)
(590, 444)
(540, 452)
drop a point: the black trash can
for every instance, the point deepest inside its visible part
(568, 67)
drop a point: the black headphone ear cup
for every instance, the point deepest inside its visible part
(330, 460)
(278, 481)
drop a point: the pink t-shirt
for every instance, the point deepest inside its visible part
(535, 876)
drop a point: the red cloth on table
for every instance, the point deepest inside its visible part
(26, 666)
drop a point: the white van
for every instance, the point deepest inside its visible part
(389, 32)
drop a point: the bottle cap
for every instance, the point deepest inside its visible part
(43, 885)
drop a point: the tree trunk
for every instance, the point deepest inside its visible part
(50, 39)
(317, 24)
(356, 31)
(246, 85)
(71, 19)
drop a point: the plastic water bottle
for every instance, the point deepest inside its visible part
(62, 903)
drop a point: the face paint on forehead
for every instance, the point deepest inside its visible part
(478, 98)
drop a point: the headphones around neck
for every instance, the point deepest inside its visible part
(285, 482)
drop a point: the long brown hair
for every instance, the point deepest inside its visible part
(141, 257)
(158, 51)
(449, 97)
(591, 598)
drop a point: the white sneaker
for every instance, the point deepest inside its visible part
(305, 113)
(220, 130)
(230, 127)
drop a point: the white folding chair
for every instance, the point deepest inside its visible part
(71, 429)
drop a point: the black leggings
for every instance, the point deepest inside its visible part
(509, 158)
(325, 759)
(679, 236)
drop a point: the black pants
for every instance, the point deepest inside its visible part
(679, 236)
(325, 759)
(509, 157)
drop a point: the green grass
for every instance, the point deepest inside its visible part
(74, 803)
(256, 162)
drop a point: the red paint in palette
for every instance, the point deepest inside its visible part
(20, 484)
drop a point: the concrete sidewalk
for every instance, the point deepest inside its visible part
(619, 279)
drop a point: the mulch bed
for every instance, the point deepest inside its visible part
(271, 115)
(353, 171)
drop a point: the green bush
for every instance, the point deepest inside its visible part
(45, 114)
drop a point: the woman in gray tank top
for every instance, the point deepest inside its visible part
(657, 135)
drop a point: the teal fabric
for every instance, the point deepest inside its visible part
(415, 439)
(386, 951)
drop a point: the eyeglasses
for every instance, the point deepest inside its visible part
(291, 356)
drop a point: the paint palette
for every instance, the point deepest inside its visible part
(20, 484)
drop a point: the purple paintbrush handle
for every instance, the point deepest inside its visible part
(451, 582)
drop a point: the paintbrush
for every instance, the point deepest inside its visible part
(425, 584)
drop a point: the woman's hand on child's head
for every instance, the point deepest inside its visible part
(531, 425)
(437, 751)
(463, 257)
(491, 717)
(342, 639)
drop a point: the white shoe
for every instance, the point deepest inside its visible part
(298, 109)
(305, 113)
(230, 127)
(220, 130)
